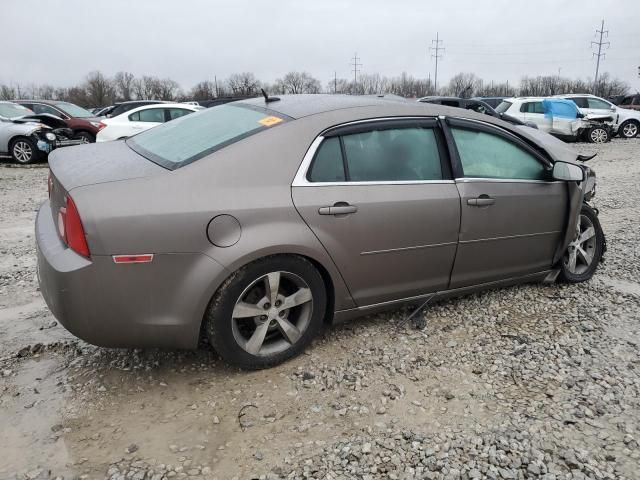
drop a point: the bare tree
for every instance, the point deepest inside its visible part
(100, 90)
(124, 85)
(297, 82)
(244, 84)
(203, 91)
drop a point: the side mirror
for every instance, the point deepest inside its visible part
(613, 109)
(568, 172)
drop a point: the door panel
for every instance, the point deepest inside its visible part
(516, 235)
(399, 241)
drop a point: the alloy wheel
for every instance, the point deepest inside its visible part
(630, 130)
(22, 152)
(581, 251)
(272, 313)
(598, 135)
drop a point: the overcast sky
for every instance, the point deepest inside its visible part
(60, 41)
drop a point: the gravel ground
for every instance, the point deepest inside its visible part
(536, 381)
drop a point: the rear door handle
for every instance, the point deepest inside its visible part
(339, 208)
(481, 201)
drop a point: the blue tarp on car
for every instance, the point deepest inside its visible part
(559, 107)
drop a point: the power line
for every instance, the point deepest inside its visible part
(599, 43)
(355, 67)
(437, 56)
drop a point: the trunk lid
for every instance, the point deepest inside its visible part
(91, 164)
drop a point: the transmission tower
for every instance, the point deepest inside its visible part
(355, 68)
(437, 48)
(603, 34)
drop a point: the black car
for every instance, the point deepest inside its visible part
(121, 107)
(475, 105)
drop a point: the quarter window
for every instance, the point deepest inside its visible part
(327, 165)
(485, 155)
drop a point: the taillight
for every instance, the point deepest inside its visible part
(70, 228)
(101, 125)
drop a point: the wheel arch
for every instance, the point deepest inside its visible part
(327, 279)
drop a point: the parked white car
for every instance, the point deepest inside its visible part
(141, 119)
(559, 117)
(626, 123)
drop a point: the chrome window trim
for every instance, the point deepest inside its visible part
(300, 179)
(502, 180)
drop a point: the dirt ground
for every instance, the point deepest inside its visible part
(552, 369)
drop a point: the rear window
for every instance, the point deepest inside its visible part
(503, 107)
(191, 137)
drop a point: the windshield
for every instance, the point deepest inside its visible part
(13, 110)
(74, 110)
(503, 107)
(191, 137)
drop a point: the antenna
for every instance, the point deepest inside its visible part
(267, 98)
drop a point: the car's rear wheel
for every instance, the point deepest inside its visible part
(598, 135)
(23, 150)
(629, 129)
(585, 251)
(267, 312)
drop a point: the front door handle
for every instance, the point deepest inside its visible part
(339, 208)
(481, 201)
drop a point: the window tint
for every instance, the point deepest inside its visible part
(391, 155)
(597, 103)
(40, 108)
(178, 112)
(327, 165)
(484, 155)
(581, 102)
(532, 107)
(192, 137)
(151, 115)
(503, 107)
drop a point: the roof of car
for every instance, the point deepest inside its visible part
(298, 106)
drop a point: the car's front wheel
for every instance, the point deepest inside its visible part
(586, 249)
(629, 129)
(267, 312)
(24, 151)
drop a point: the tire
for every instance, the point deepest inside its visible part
(24, 151)
(266, 338)
(593, 246)
(598, 135)
(629, 129)
(86, 137)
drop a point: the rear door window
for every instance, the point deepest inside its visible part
(398, 154)
(532, 107)
(581, 102)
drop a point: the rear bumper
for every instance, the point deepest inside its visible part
(157, 304)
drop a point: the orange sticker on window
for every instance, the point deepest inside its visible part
(268, 121)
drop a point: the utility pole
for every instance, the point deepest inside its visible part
(600, 43)
(355, 68)
(435, 47)
(215, 81)
(335, 82)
